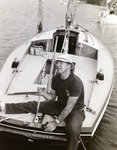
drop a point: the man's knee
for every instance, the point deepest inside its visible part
(73, 129)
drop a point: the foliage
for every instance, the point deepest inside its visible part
(97, 2)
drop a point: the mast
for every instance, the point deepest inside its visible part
(40, 17)
(70, 21)
(71, 13)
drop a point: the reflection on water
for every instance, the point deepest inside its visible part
(20, 15)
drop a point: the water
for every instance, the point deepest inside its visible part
(17, 14)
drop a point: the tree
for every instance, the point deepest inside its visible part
(99, 2)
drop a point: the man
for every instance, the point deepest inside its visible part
(69, 91)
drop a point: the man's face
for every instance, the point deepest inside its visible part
(61, 66)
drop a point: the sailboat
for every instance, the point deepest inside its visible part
(29, 67)
(108, 13)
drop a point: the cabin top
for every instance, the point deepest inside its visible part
(81, 42)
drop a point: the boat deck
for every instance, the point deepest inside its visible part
(24, 81)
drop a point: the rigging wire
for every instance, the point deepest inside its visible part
(50, 14)
(23, 28)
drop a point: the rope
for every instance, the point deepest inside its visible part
(49, 14)
(52, 17)
(20, 30)
(23, 27)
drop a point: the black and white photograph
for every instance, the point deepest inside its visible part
(58, 74)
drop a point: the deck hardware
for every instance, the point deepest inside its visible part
(30, 140)
(100, 75)
(38, 118)
(27, 96)
(25, 123)
(15, 63)
(89, 109)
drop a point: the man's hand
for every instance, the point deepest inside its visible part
(40, 91)
(50, 126)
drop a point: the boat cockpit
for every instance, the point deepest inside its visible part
(75, 47)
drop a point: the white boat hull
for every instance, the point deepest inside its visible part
(89, 56)
(110, 19)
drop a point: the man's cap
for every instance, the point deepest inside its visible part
(65, 58)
